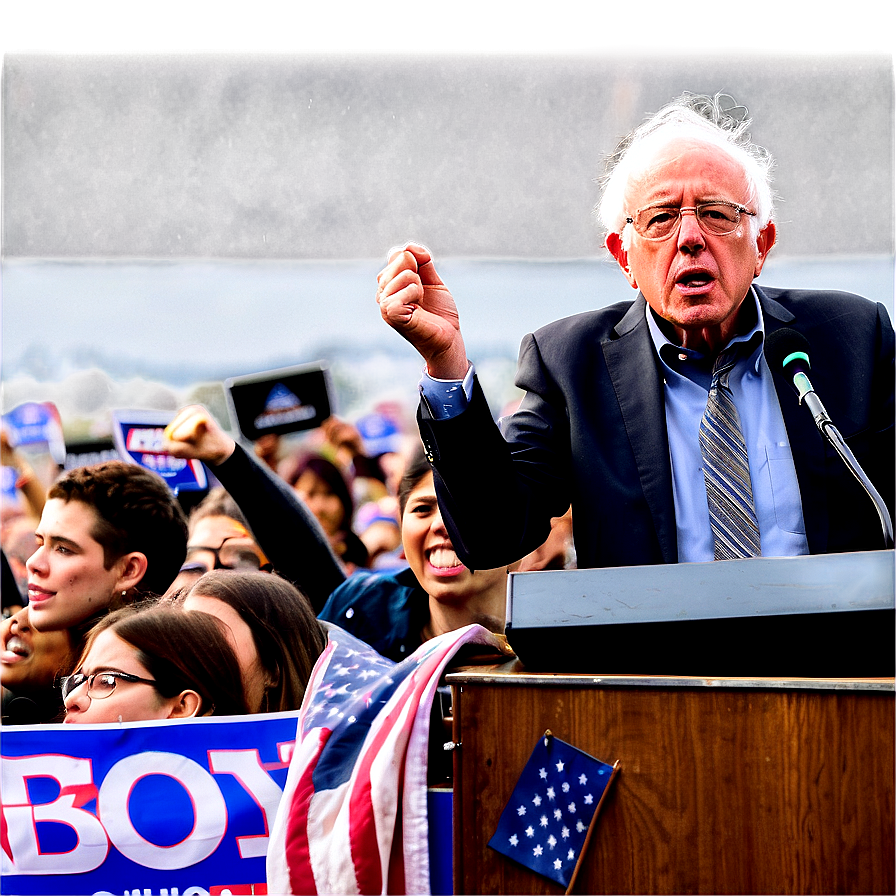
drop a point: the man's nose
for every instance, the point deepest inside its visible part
(36, 562)
(690, 236)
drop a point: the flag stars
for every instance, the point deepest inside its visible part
(521, 811)
(589, 799)
(538, 850)
(579, 826)
(571, 808)
(564, 832)
(565, 787)
(560, 766)
(558, 814)
(552, 841)
(543, 821)
(551, 793)
(557, 864)
(570, 856)
(514, 840)
(530, 831)
(542, 773)
(583, 780)
(536, 800)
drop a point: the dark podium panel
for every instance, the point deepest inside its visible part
(725, 786)
(824, 616)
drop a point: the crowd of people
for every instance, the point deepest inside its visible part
(120, 580)
(133, 610)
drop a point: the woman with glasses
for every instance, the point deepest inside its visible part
(155, 662)
(218, 538)
(394, 612)
(285, 529)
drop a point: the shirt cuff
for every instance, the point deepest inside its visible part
(447, 398)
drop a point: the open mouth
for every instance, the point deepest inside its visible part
(444, 562)
(14, 650)
(694, 280)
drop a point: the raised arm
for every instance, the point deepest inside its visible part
(283, 526)
(416, 303)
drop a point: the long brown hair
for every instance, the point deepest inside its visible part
(181, 651)
(287, 634)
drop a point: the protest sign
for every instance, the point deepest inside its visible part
(138, 437)
(183, 808)
(291, 399)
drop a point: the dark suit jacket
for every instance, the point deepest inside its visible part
(591, 431)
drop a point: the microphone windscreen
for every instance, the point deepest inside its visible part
(782, 343)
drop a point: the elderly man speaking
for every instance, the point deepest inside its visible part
(660, 420)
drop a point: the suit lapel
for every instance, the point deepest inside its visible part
(631, 363)
(806, 443)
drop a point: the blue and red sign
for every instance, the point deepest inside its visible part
(152, 807)
(138, 436)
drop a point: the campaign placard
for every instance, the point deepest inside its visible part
(138, 437)
(36, 425)
(183, 807)
(291, 399)
(86, 452)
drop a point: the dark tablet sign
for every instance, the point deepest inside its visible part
(291, 399)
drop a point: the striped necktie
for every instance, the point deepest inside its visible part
(726, 469)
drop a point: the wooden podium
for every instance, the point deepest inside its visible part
(726, 785)
(753, 728)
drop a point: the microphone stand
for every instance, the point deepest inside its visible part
(832, 434)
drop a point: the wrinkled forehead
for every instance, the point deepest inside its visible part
(671, 158)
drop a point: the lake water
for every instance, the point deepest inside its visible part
(184, 320)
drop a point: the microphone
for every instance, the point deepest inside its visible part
(788, 350)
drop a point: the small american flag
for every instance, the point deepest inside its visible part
(353, 817)
(545, 823)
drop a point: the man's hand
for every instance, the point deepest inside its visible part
(196, 435)
(414, 301)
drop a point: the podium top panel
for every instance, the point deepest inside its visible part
(512, 674)
(762, 586)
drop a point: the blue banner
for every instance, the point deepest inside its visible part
(180, 808)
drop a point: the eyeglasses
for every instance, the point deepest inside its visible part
(237, 555)
(658, 222)
(99, 685)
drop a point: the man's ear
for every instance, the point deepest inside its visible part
(614, 246)
(132, 569)
(187, 705)
(764, 243)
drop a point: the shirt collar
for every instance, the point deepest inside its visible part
(667, 350)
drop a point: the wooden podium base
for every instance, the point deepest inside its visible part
(726, 785)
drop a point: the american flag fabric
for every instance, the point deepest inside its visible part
(545, 822)
(353, 818)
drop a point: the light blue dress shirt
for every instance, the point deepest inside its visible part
(687, 376)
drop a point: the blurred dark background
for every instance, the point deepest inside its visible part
(338, 157)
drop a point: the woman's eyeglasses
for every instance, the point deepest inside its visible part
(101, 684)
(235, 552)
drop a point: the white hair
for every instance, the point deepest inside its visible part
(713, 120)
